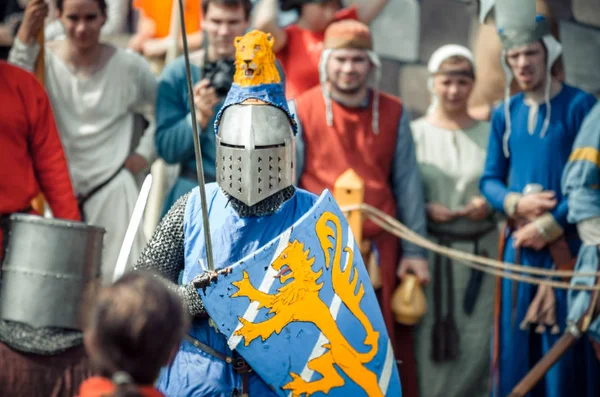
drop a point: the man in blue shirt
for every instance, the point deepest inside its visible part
(223, 21)
(530, 141)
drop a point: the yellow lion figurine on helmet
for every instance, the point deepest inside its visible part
(255, 60)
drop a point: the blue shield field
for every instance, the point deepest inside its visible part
(302, 312)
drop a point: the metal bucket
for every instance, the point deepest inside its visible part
(51, 269)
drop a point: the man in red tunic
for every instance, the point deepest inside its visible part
(341, 128)
(31, 155)
(34, 361)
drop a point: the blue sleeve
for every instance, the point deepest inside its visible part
(560, 212)
(579, 110)
(579, 300)
(174, 139)
(408, 188)
(495, 173)
(581, 176)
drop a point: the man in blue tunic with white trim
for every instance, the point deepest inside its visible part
(531, 138)
(252, 207)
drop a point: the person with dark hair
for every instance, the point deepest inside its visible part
(96, 90)
(298, 46)
(117, 19)
(212, 73)
(134, 329)
(531, 137)
(489, 86)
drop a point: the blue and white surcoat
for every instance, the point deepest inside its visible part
(194, 372)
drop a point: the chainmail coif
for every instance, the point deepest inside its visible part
(42, 341)
(263, 208)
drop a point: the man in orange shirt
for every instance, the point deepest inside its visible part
(344, 124)
(154, 26)
(299, 45)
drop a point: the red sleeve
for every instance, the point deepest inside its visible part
(346, 13)
(49, 162)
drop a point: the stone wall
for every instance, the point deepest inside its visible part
(433, 23)
(397, 32)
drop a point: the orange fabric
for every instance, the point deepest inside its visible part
(350, 143)
(301, 54)
(300, 60)
(348, 33)
(99, 387)
(160, 12)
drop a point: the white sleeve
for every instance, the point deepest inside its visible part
(145, 104)
(24, 55)
(589, 231)
(116, 21)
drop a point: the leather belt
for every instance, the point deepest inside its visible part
(83, 198)
(559, 248)
(239, 365)
(445, 337)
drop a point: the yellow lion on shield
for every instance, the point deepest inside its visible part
(255, 60)
(298, 301)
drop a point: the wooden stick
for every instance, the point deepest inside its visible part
(162, 172)
(40, 64)
(174, 32)
(39, 203)
(543, 366)
(349, 190)
(571, 335)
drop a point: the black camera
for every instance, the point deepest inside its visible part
(220, 74)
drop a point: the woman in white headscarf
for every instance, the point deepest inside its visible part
(453, 339)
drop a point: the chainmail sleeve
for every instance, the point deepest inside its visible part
(164, 254)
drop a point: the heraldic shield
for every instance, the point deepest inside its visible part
(303, 314)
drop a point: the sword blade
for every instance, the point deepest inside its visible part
(132, 228)
(197, 146)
